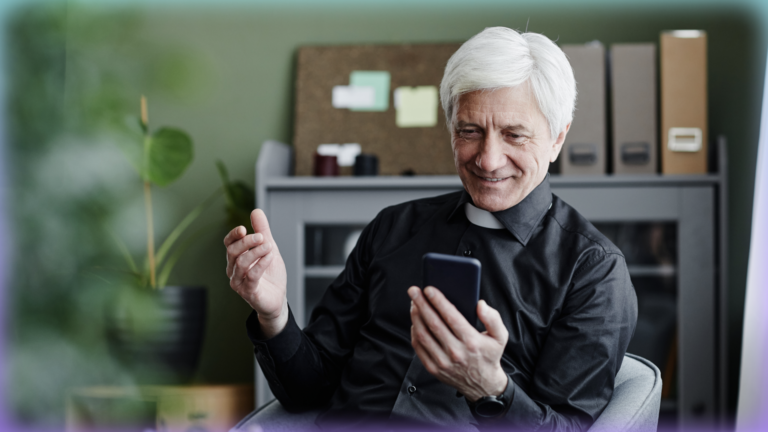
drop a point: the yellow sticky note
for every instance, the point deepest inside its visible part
(416, 106)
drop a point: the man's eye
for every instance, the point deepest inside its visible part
(515, 138)
(469, 133)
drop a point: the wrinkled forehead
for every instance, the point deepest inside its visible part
(507, 104)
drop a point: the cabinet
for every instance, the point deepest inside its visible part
(670, 229)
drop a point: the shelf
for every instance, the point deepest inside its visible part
(634, 270)
(453, 181)
(323, 271)
(666, 270)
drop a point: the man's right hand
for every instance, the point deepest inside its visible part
(257, 273)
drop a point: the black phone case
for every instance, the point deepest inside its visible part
(458, 278)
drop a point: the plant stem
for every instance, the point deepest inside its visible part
(150, 235)
(148, 202)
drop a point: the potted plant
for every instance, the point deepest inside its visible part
(156, 330)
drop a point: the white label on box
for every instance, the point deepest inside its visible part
(684, 139)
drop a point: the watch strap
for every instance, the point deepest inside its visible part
(493, 407)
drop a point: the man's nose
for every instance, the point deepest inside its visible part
(491, 156)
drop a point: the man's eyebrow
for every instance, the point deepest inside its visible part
(462, 124)
(516, 128)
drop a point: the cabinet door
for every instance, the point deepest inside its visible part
(667, 235)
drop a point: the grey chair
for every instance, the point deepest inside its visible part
(636, 398)
(633, 407)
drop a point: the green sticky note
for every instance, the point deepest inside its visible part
(379, 80)
(416, 106)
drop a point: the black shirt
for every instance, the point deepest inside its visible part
(563, 291)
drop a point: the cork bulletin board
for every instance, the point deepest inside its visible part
(423, 150)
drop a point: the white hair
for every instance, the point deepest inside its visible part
(499, 57)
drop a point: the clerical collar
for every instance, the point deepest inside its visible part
(481, 217)
(521, 219)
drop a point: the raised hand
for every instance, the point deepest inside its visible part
(257, 273)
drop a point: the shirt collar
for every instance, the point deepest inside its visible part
(521, 219)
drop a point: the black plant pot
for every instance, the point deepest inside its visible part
(158, 334)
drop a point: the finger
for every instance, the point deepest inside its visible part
(433, 320)
(246, 261)
(426, 340)
(494, 325)
(450, 315)
(236, 249)
(260, 224)
(236, 234)
(424, 356)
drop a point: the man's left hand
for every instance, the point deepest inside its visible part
(452, 349)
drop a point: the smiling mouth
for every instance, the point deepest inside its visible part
(492, 179)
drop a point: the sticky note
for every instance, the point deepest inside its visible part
(379, 80)
(416, 106)
(354, 97)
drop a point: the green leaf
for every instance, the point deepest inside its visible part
(223, 173)
(183, 225)
(242, 196)
(167, 154)
(240, 199)
(166, 269)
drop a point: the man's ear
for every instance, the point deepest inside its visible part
(558, 144)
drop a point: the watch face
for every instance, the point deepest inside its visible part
(489, 407)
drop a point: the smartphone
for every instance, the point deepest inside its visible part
(458, 278)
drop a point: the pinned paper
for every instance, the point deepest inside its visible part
(345, 153)
(416, 106)
(379, 80)
(354, 97)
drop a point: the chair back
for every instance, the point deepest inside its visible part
(636, 398)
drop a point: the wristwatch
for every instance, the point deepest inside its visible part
(491, 407)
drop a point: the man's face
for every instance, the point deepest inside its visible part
(502, 146)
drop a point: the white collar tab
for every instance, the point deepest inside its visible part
(481, 217)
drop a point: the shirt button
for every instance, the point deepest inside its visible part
(467, 253)
(411, 389)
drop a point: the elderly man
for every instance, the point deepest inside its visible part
(557, 310)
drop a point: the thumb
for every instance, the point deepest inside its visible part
(493, 322)
(261, 225)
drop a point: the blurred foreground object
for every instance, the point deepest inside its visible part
(160, 408)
